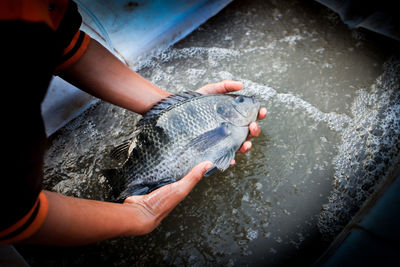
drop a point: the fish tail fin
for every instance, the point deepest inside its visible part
(115, 181)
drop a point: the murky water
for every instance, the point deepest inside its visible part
(331, 134)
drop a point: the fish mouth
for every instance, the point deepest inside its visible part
(252, 112)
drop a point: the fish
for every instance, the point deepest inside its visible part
(175, 135)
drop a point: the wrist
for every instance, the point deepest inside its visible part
(139, 221)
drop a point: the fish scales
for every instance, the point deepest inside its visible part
(180, 132)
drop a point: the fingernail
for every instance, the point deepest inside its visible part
(253, 127)
(264, 110)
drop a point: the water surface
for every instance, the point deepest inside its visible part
(330, 136)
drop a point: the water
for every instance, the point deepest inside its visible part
(331, 135)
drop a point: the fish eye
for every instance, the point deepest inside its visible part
(239, 99)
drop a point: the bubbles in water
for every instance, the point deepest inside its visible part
(335, 121)
(251, 234)
(319, 132)
(368, 152)
(292, 39)
(212, 55)
(359, 133)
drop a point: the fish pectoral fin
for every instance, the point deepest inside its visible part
(209, 138)
(224, 162)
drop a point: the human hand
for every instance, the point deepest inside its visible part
(154, 207)
(228, 86)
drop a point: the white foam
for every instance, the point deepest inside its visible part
(251, 234)
(193, 75)
(373, 116)
(368, 151)
(291, 39)
(336, 122)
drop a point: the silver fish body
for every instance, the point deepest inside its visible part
(180, 132)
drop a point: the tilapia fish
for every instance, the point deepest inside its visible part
(178, 133)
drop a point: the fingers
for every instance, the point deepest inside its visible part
(187, 183)
(221, 87)
(262, 113)
(254, 131)
(245, 147)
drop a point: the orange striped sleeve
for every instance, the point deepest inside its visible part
(73, 52)
(27, 225)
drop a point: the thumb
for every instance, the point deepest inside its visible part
(187, 183)
(164, 199)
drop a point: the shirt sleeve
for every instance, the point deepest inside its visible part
(27, 225)
(73, 52)
(35, 43)
(73, 41)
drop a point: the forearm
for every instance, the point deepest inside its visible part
(74, 221)
(101, 74)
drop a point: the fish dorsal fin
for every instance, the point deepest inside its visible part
(121, 152)
(166, 104)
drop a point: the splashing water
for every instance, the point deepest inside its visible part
(331, 135)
